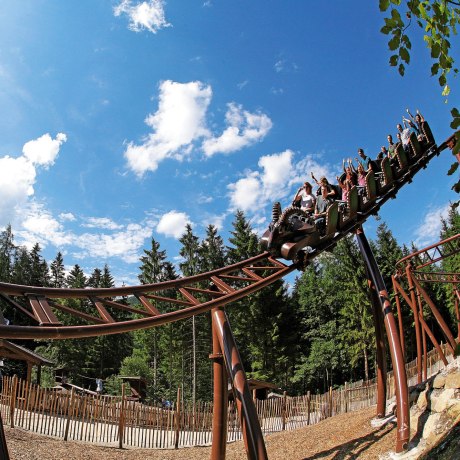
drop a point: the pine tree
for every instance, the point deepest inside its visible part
(76, 278)
(7, 250)
(212, 250)
(244, 240)
(57, 278)
(22, 267)
(39, 273)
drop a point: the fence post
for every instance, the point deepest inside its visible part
(14, 391)
(69, 415)
(346, 397)
(330, 401)
(284, 407)
(121, 418)
(176, 441)
(308, 407)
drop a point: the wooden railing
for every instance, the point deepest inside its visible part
(101, 419)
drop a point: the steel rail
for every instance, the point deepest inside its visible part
(90, 330)
(440, 250)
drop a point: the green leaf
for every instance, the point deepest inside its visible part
(455, 123)
(406, 41)
(455, 113)
(396, 2)
(434, 69)
(386, 29)
(453, 168)
(404, 55)
(435, 50)
(401, 69)
(442, 80)
(394, 60)
(393, 43)
(384, 4)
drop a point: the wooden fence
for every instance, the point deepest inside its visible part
(117, 421)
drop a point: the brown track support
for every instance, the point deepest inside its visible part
(252, 433)
(220, 409)
(4, 455)
(401, 390)
(380, 349)
(445, 329)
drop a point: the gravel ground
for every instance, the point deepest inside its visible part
(347, 436)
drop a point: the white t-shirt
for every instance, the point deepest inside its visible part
(307, 200)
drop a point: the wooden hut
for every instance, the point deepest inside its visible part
(12, 350)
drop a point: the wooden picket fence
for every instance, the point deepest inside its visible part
(117, 421)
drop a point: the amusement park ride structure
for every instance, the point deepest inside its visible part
(291, 236)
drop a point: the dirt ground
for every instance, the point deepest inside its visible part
(347, 436)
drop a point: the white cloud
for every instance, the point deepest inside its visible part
(216, 220)
(274, 180)
(67, 216)
(125, 243)
(44, 150)
(204, 199)
(38, 225)
(244, 129)
(173, 224)
(178, 122)
(148, 15)
(429, 230)
(18, 175)
(245, 193)
(101, 222)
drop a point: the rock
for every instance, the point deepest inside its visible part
(439, 381)
(453, 410)
(422, 401)
(453, 380)
(429, 430)
(440, 402)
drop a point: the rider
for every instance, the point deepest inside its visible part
(304, 198)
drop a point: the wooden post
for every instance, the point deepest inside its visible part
(284, 410)
(69, 415)
(330, 401)
(14, 390)
(308, 408)
(121, 419)
(178, 415)
(346, 398)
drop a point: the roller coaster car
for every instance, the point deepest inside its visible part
(294, 229)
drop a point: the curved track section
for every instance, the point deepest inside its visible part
(193, 295)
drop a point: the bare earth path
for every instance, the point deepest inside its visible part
(347, 436)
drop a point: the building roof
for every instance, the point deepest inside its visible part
(14, 351)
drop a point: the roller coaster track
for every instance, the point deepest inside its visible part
(95, 312)
(411, 271)
(195, 294)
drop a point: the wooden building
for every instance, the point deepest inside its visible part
(12, 350)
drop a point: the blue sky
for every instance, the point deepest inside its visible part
(124, 120)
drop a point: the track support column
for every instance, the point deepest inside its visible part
(252, 433)
(3, 447)
(380, 349)
(220, 398)
(402, 400)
